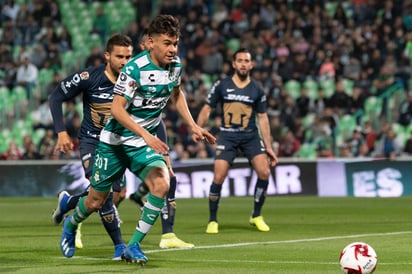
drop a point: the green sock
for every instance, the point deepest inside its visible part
(79, 215)
(150, 213)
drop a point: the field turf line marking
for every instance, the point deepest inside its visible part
(285, 241)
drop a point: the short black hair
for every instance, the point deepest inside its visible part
(118, 40)
(241, 50)
(165, 24)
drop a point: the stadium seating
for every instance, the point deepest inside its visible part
(293, 88)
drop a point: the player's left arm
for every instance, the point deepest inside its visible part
(198, 133)
(264, 127)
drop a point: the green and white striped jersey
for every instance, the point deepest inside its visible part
(147, 88)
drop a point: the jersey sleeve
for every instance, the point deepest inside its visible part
(214, 95)
(262, 102)
(67, 89)
(125, 86)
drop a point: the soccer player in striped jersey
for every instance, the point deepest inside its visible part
(129, 139)
(96, 86)
(242, 100)
(169, 238)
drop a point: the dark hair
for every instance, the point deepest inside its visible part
(118, 40)
(164, 24)
(241, 50)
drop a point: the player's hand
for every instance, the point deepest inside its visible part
(273, 159)
(64, 143)
(156, 144)
(200, 134)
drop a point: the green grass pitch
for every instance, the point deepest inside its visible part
(306, 236)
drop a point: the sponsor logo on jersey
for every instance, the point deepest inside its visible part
(239, 98)
(132, 83)
(96, 176)
(122, 76)
(84, 75)
(230, 89)
(108, 96)
(103, 88)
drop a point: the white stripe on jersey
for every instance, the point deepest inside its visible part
(154, 77)
(135, 140)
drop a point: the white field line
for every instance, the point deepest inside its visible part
(286, 241)
(269, 243)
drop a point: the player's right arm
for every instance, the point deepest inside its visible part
(211, 102)
(66, 90)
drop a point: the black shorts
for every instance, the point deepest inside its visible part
(161, 132)
(232, 144)
(87, 151)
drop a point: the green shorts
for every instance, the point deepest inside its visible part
(111, 161)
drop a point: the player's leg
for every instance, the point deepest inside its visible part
(139, 194)
(169, 238)
(225, 154)
(255, 152)
(221, 168)
(96, 197)
(86, 206)
(110, 219)
(154, 173)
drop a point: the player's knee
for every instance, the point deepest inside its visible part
(263, 174)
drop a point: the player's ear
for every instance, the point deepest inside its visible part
(107, 56)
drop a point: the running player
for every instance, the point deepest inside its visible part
(242, 100)
(128, 140)
(169, 238)
(96, 86)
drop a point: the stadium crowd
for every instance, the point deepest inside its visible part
(318, 61)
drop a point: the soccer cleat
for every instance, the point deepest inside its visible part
(137, 201)
(118, 251)
(212, 228)
(170, 240)
(133, 254)
(259, 223)
(61, 209)
(67, 245)
(78, 240)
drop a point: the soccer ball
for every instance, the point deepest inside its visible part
(358, 258)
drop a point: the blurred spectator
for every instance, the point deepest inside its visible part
(95, 57)
(53, 60)
(57, 77)
(405, 110)
(42, 116)
(352, 70)
(31, 152)
(369, 134)
(344, 151)
(9, 10)
(319, 104)
(356, 141)
(64, 43)
(46, 144)
(12, 153)
(101, 24)
(302, 103)
(39, 55)
(289, 145)
(408, 146)
(27, 75)
(357, 101)
(340, 101)
(389, 145)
